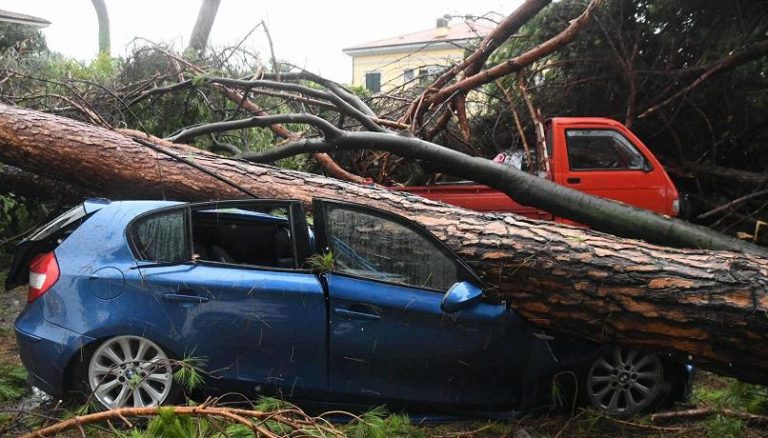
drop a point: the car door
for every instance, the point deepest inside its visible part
(389, 338)
(230, 296)
(603, 162)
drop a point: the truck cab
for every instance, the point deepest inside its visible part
(594, 155)
(603, 158)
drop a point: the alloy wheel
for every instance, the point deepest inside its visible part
(625, 382)
(130, 371)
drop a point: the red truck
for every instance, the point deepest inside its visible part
(594, 155)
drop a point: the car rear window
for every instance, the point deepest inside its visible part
(67, 221)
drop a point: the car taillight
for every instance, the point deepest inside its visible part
(43, 273)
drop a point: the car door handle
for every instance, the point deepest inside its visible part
(573, 180)
(354, 314)
(184, 298)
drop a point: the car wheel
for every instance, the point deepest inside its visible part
(130, 371)
(625, 382)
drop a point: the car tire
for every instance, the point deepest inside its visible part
(625, 382)
(125, 371)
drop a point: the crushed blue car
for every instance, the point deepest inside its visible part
(120, 291)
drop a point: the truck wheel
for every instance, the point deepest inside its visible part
(625, 382)
(127, 371)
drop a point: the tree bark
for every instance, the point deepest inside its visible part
(30, 185)
(709, 306)
(202, 30)
(103, 17)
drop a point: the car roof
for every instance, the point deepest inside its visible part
(127, 209)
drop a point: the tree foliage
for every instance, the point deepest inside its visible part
(20, 39)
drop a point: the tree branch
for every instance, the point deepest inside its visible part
(342, 105)
(742, 56)
(753, 52)
(333, 87)
(324, 160)
(329, 131)
(520, 61)
(511, 24)
(732, 204)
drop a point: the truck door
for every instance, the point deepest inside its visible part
(602, 161)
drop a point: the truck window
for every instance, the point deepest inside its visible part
(601, 149)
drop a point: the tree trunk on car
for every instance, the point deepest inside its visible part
(709, 306)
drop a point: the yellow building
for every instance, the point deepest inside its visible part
(385, 64)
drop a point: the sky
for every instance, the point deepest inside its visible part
(310, 34)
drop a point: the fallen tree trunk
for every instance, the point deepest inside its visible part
(30, 185)
(707, 305)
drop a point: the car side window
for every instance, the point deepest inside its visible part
(601, 149)
(253, 234)
(161, 237)
(371, 246)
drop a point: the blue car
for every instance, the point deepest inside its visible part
(120, 291)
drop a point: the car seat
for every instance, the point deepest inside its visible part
(283, 250)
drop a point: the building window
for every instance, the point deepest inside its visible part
(427, 74)
(408, 75)
(373, 82)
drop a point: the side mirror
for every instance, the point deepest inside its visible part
(460, 296)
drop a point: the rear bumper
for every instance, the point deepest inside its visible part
(46, 350)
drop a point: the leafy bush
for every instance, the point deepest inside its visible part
(17, 216)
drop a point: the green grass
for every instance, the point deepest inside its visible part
(378, 423)
(13, 382)
(720, 426)
(730, 394)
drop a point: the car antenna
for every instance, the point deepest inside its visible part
(175, 156)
